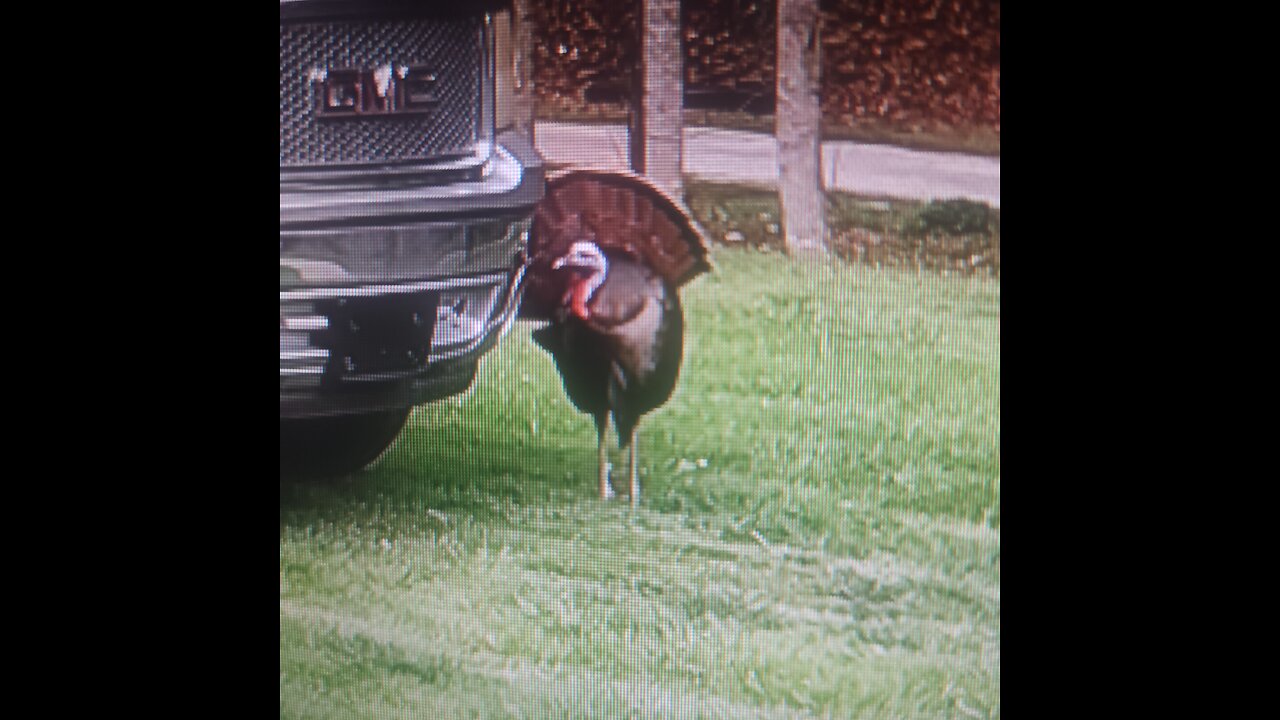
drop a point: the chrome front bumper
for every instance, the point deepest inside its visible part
(471, 313)
(326, 370)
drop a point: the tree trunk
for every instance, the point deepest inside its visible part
(657, 118)
(522, 30)
(797, 127)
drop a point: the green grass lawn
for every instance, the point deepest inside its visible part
(819, 534)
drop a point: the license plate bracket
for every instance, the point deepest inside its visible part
(377, 338)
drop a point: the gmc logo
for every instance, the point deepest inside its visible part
(385, 90)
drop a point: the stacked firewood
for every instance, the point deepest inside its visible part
(584, 45)
(729, 44)
(902, 61)
(912, 61)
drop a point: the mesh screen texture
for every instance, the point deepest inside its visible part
(452, 48)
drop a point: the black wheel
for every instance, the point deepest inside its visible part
(335, 446)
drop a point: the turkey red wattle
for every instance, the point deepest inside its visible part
(579, 294)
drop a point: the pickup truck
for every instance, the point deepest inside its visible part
(406, 193)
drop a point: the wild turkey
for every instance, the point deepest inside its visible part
(608, 253)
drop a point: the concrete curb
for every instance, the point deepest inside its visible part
(750, 158)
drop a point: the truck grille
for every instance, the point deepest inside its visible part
(451, 50)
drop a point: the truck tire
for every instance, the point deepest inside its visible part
(336, 446)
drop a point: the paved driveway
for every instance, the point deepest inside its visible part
(751, 158)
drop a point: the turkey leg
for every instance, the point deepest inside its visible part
(635, 478)
(602, 456)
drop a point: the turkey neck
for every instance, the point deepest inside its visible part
(585, 288)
